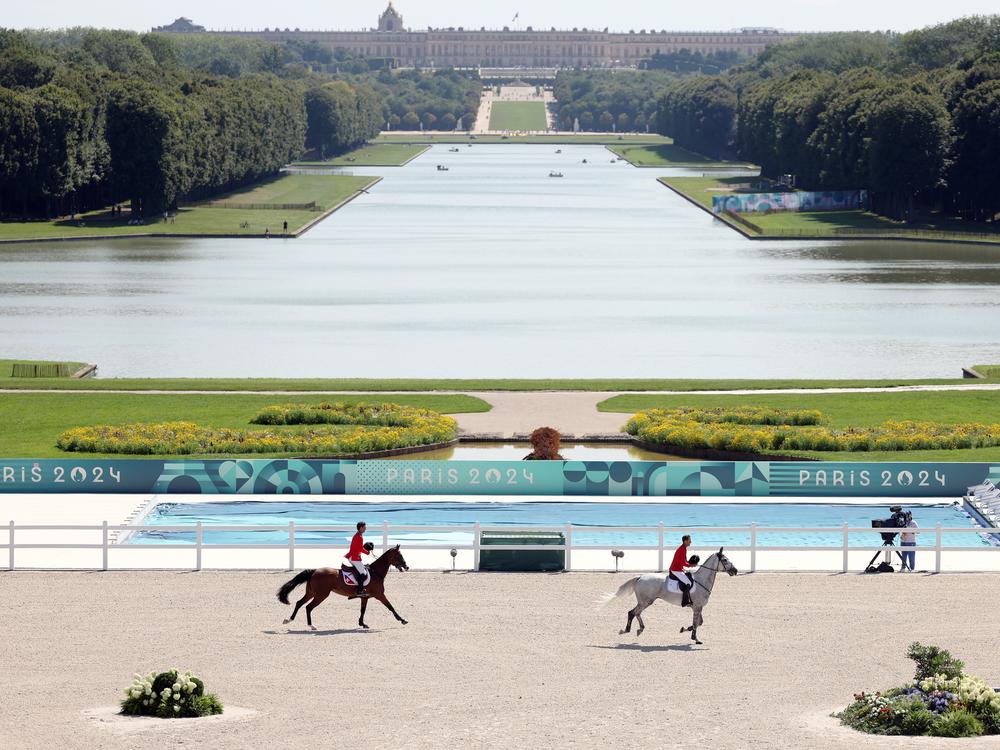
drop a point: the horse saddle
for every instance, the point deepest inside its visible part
(350, 575)
(672, 586)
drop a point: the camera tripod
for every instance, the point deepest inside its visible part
(891, 545)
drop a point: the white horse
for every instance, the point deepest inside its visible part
(649, 588)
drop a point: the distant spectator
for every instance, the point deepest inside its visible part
(284, 228)
(909, 539)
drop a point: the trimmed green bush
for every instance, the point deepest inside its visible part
(754, 430)
(932, 661)
(169, 695)
(959, 723)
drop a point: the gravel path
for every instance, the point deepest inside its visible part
(488, 660)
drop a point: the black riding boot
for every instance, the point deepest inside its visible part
(686, 598)
(361, 584)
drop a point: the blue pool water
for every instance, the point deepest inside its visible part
(592, 515)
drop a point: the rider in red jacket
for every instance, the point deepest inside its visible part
(354, 556)
(678, 572)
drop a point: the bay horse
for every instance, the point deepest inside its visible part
(649, 588)
(322, 582)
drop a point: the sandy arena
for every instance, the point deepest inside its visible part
(488, 660)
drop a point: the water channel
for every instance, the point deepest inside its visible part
(495, 269)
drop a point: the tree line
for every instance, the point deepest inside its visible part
(912, 118)
(91, 118)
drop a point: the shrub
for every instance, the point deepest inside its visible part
(757, 430)
(169, 695)
(958, 723)
(932, 661)
(916, 718)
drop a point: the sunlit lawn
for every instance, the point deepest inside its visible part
(371, 155)
(518, 116)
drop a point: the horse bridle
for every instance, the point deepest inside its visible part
(723, 567)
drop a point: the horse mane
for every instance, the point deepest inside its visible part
(382, 562)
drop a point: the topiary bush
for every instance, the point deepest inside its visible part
(169, 695)
(945, 703)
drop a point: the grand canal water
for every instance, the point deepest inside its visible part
(495, 269)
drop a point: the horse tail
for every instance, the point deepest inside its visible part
(626, 588)
(286, 589)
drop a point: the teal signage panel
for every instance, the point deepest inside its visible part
(497, 478)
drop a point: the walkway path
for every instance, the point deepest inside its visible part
(570, 412)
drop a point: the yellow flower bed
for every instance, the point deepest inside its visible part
(750, 430)
(186, 438)
(386, 415)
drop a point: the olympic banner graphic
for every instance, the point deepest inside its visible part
(496, 478)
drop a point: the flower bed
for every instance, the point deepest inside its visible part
(343, 433)
(941, 701)
(753, 430)
(169, 695)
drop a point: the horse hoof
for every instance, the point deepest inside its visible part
(622, 632)
(403, 621)
(699, 643)
(285, 621)
(312, 628)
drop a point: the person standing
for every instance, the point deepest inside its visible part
(354, 557)
(678, 572)
(909, 539)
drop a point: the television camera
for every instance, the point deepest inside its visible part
(897, 520)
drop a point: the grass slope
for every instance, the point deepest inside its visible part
(7, 368)
(563, 139)
(208, 217)
(828, 224)
(846, 409)
(518, 116)
(666, 155)
(33, 421)
(416, 384)
(371, 155)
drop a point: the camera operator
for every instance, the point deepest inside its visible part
(908, 539)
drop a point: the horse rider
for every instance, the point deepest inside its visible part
(354, 557)
(678, 572)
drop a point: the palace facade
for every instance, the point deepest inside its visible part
(504, 48)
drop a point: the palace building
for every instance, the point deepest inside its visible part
(506, 48)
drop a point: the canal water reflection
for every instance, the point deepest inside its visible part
(494, 269)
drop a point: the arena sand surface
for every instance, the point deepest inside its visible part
(488, 660)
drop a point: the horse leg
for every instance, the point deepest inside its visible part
(635, 614)
(312, 605)
(695, 622)
(390, 608)
(298, 604)
(364, 606)
(628, 625)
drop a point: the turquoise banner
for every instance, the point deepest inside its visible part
(497, 478)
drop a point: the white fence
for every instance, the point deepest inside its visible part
(106, 545)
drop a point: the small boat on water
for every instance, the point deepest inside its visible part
(555, 174)
(558, 150)
(442, 168)
(584, 161)
(453, 150)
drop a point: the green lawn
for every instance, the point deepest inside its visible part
(827, 224)
(372, 155)
(518, 116)
(33, 421)
(667, 155)
(7, 367)
(845, 409)
(399, 385)
(560, 139)
(208, 217)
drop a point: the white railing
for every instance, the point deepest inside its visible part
(199, 545)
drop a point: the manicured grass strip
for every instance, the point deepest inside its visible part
(850, 409)
(668, 155)
(414, 384)
(518, 116)
(209, 218)
(988, 371)
(372, 155)
(7, 367)
(34, 421)
(564, 139)
(825, 224)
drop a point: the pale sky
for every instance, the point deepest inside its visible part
(795, 15)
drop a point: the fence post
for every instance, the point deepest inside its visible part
(10, 551)
(937, 547)
(385, 536)
(104, 546)
(475, 546)
(846, 526)
(291, 545)
(659, 552)
(197, 546)
(569, 546)
(753, 547)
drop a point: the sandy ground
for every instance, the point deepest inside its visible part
(488, 660)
